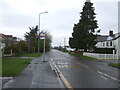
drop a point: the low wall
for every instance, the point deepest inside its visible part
(100, 56)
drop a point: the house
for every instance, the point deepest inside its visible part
(2, 45)
(109, 41)
(7, 40)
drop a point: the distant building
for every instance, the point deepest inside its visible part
(68, 48)
(7, 40)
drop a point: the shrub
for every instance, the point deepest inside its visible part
(7, 49)
(15, 49)
(23, 45)
(104, 50)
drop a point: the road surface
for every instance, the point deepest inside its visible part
(82, 73)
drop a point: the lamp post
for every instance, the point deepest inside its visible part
(39, 31)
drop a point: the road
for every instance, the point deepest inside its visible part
(76, 73)
(82, 73)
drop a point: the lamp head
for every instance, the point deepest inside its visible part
(46, 12)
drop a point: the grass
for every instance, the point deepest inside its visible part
(84, 57)
(13, 66)
(117, 65)
(30, 55)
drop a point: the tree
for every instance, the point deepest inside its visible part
(83, 36)
(32, 38)
(48, 40)
(32, 35)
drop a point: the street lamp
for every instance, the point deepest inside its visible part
(39, 31)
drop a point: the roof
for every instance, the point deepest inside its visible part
(117, 35)
(102, 38)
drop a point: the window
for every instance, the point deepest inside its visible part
(106, 43)
(103, 44)
(110, 43)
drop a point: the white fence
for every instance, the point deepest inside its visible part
(100, 56)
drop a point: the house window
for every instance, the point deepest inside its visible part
(110, 43)
(106, 43)
(103, 44)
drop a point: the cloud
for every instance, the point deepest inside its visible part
(107, 16)
(18, 15)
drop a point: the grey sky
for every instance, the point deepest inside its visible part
(18, 15)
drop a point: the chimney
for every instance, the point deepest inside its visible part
(111, 33)
(87, 0)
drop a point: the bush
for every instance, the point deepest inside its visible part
(7, 49)
(23, 45)
(15, 49)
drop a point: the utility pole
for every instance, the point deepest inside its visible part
(44, 45)
(28, 47)
(65, 44)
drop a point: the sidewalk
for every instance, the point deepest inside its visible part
(37, 75)
(44, 77)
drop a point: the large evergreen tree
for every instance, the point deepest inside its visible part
(83, 36)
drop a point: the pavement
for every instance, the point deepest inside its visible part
(38, 74)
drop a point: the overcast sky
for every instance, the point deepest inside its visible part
(17, 15)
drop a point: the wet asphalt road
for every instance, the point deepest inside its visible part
(82, 73)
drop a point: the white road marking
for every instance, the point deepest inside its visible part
(66, 63)
(103, 74)
(99, 72)
(59, 66)
(62, 64)
(85, 66)
(114, 78)
(103, 77)
(7, 84)
(66, 66)
(58, 62)
(108, 76)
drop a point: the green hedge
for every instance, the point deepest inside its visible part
(103, 50)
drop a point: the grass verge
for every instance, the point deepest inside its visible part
(116, 65)
(84, 57)
(13, 66)
(30, 55)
